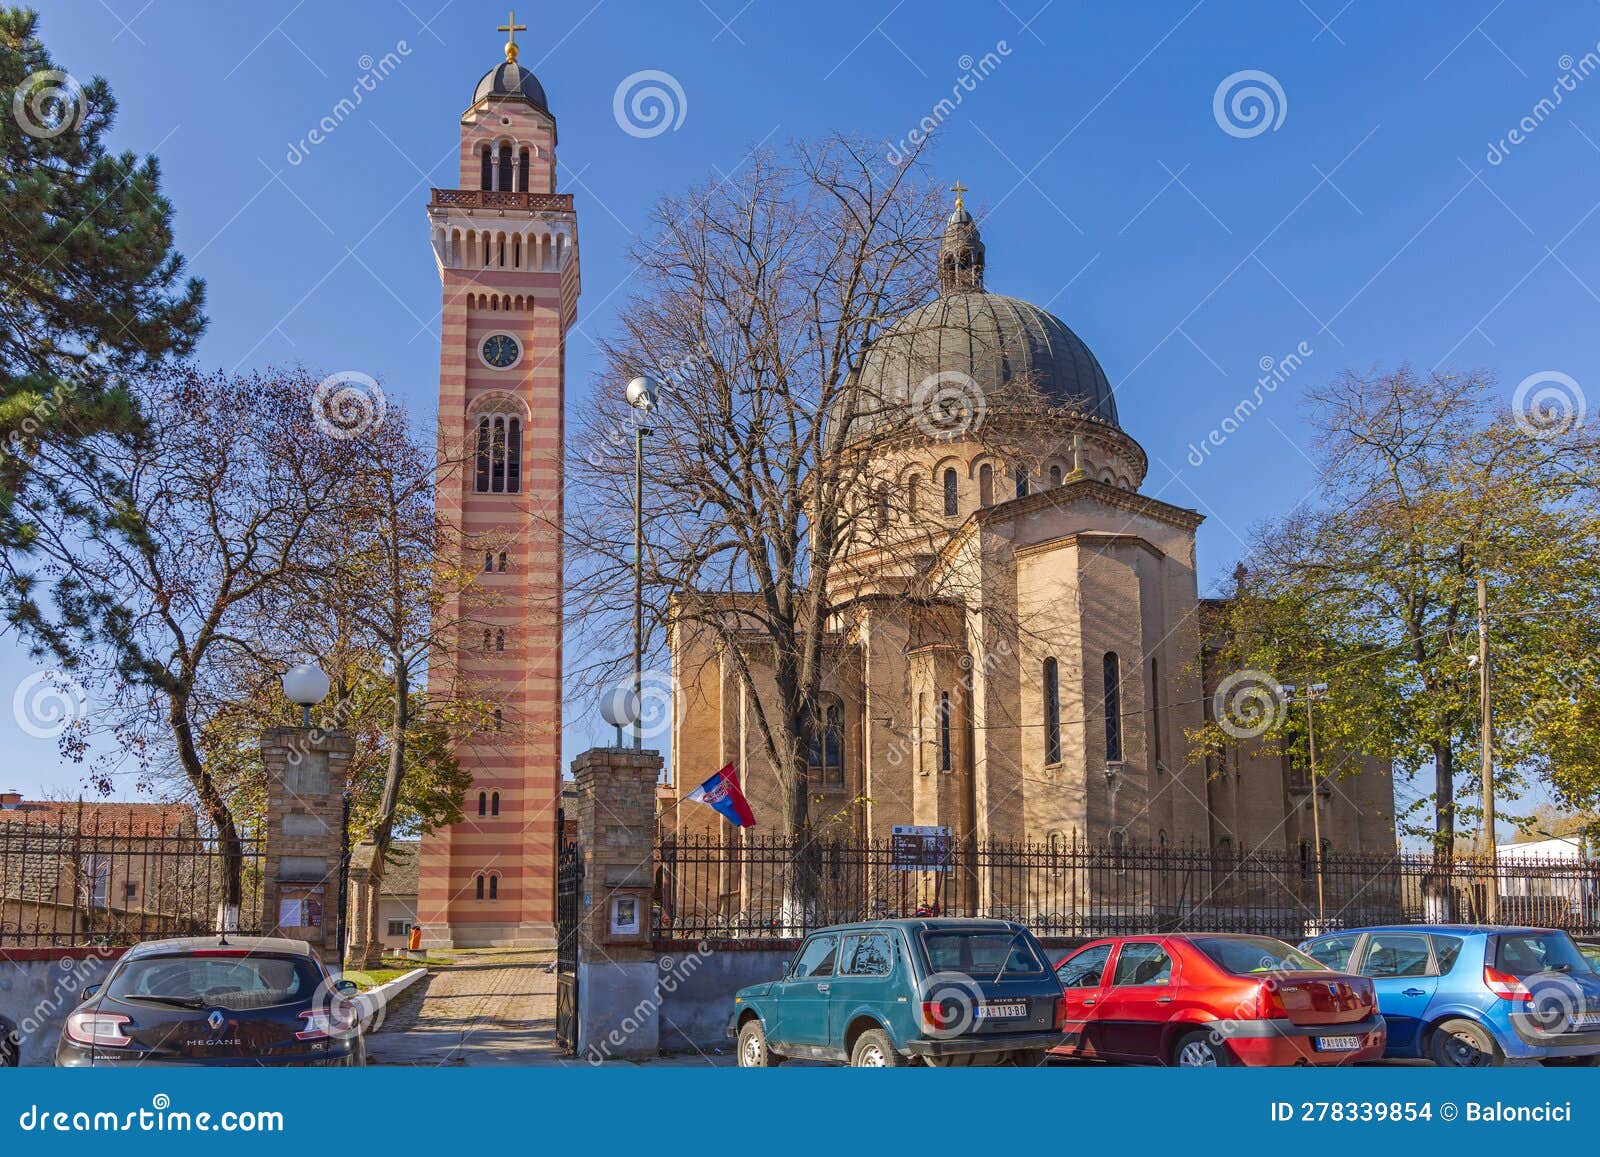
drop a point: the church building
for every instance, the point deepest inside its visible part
(1042, 682)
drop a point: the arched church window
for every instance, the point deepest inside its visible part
(825, 742)
(1161, 838)
(513, 456)
(522, 170)
(479, 884)
(502, 562)
(1112, 673)
(494, 804)
(494, 887)
(985, 485)
(486, 180)
(481, 483)
(488, 561)
(944, 731)
(500, 640)
(1305, 859)
(913, 496)
(951, 505)
(505, 166)
(1052, 711)
(1020, 476)
(497, 455)
(1055, 476)
(883, 506)
(487, 638)
(499, 719)
(483, 803)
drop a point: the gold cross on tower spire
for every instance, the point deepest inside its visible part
(511, 28)
(958, 189)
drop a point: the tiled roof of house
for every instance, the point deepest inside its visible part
(400, 873)
(106, 819)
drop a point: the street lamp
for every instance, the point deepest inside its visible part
(1310, 695)
(642, 393)
(306, 684)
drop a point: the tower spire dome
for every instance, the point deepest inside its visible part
(961, 250)
(511, 28)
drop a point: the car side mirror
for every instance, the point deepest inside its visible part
(89, 992)
(346, 987)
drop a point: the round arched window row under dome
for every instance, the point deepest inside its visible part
(499, 454)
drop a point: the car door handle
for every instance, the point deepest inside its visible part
(1088, 1002)
(822, 988)
(1414, 992)
(1163, 1000)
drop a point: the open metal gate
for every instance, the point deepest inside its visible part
(569, 909)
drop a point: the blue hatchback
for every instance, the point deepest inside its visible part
(1469, 995)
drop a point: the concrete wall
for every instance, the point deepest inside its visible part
(696, 987)
(39, 987)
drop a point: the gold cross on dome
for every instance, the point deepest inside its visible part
(958, 189)
(511, 28)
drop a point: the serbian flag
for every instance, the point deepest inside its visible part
(722, 793)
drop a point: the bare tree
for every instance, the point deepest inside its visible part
(768, 505)
(155, 551)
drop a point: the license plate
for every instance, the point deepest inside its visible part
(995, 1010)
(1338, 1044)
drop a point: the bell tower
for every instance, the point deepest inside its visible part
(506, 244)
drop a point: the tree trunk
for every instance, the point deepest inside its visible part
(383, 826)
(1439, 886)
(217, 811)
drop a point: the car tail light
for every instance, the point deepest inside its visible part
(1504, 985)
(934, 1017)
(322, 1023)
(102, 1029)
(1269, 1003)
(1061, 1014)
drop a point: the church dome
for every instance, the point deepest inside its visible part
(510, 79)
(994, 340)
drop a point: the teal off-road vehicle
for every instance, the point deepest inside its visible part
(890, 991)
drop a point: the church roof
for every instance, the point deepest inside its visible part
(510, 79)
(969, 337)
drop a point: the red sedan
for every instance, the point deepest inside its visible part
(1207, 1000)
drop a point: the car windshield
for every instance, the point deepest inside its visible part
(1249, 955)
(983, 953)
(232, 982)
(1526, 953)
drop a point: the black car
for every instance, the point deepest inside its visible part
(239, 1001)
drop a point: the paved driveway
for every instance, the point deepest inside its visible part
(488, 1008)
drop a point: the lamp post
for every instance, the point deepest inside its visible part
(642, 393)
(1310, 695)
(306, 684)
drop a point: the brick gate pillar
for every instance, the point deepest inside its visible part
(306, 770)
(618, 1001)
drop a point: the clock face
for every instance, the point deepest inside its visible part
(501, 351)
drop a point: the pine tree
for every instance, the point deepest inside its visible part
(91, 289)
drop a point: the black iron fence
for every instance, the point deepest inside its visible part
(90, 878)
(766, 887)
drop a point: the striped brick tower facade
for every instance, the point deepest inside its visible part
(506, 244)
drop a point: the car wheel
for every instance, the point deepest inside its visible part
(1201, 1050)
(1588, 1062)
(1464, 1044)
(9, 1046)
(1029, 1058)
(753, 1050)
(874, 1051)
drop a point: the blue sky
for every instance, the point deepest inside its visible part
(1368, 226)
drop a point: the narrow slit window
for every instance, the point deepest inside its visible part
(1052, 711)
(1111, 671)
(951, 499)
(944, 731)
